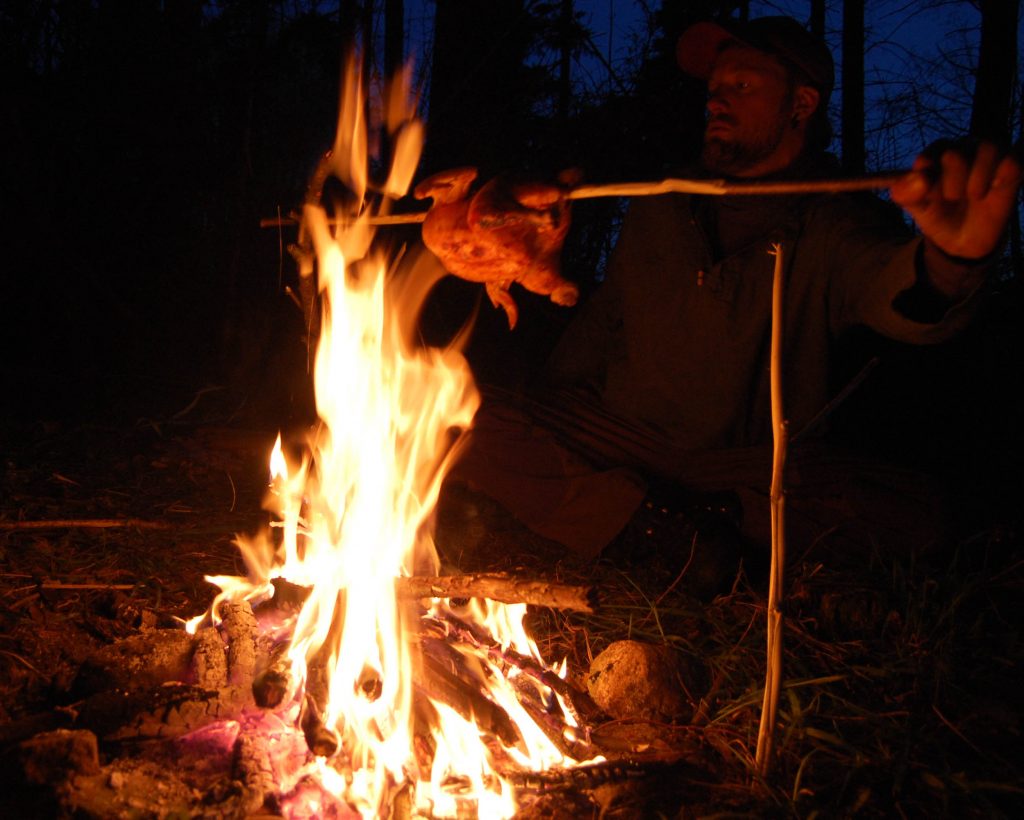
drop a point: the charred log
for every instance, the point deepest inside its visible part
(321, 740)
(580, 705)
(272, 684)
(443, 681)
(239, 629)
(209, 661)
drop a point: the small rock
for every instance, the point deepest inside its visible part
(116, 780)
(631, 679)
(54, 756)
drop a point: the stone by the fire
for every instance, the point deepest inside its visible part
(631, 679)
(51, 757)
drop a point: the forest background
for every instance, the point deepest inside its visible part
(144, 140)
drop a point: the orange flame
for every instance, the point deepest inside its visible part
(353, 514)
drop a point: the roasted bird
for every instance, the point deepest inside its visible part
(503, 233)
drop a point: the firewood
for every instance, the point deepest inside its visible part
(579, 703)
(138, 662)
(442, 680)
(164, 711)
(554, 729)
(499, 587)
(320, 739)
(209, 660)
(240, 629)
(270, 686)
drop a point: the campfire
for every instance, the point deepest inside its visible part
(343, 675)
(371, 686)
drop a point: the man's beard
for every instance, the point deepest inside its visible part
(733, 157)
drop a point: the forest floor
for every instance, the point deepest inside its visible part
(902, 686)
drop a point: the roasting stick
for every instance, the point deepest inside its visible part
(707, 187)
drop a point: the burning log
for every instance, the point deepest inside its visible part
(209, 660)
(166, 711)
(140, 661)
(319, 738)
(240, 634)
(442, 682)
(271, 685)
(555, 730)
(579, 704)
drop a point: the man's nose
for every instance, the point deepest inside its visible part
(716, 104)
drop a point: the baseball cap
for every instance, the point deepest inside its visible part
(699, 46)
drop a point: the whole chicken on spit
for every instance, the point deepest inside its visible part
(503, 233)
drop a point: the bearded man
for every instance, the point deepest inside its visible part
(661, 383)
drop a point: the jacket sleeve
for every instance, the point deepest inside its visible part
(879, 276)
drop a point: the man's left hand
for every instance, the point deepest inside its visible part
(961, 203)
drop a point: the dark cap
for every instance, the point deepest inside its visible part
(699, 46)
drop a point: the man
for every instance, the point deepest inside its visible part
(662, 381)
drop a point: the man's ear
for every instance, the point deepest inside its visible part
(805, 102)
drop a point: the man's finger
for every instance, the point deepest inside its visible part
(954, 175)
(1009, 174)
(983, 171)
(913, 188)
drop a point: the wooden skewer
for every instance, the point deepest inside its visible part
(707, 187)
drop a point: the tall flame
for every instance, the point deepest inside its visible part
(353, 513)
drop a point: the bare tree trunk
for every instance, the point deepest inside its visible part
(853, 86)
(817, 20)
(394, 36)
(565, 63)
(997, 67)
(348, 22)
(367, 41)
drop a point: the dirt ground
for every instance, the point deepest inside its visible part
(901, 690)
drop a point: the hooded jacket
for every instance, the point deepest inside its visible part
(675, 342)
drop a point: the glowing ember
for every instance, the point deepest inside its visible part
(353, 515)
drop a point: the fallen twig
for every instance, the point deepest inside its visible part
(60, 585)
(83, 523)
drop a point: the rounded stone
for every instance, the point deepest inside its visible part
(631, 679)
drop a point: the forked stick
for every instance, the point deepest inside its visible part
(707, 187)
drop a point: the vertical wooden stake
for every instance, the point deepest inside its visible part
(773, 675)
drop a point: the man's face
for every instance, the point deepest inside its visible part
(750, 113)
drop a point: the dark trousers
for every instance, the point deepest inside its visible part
(574, 473)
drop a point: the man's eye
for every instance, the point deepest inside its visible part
(742, 85)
